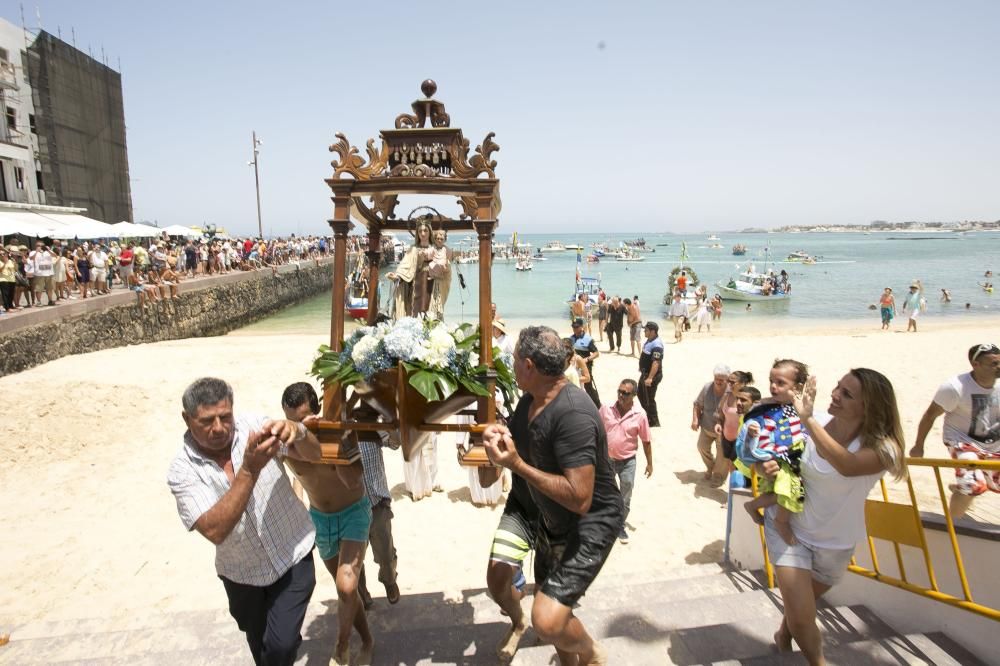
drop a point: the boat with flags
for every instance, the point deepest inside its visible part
(691, 287)
(585, 284)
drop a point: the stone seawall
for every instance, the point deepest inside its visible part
(208, 306)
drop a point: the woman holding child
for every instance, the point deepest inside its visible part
(847, 451)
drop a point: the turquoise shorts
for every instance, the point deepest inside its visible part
(350, 524)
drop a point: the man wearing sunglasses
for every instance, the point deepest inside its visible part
(971, 405)
(626, 424)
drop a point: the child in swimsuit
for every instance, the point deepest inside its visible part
(772, 430)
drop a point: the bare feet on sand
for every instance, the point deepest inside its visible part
(755, 515)
(507, 647)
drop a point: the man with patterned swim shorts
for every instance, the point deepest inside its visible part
(342, 514)
(557, 446)
(971, 405)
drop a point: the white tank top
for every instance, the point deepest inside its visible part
(834, 511)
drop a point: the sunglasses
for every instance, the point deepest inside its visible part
(625, 394)
(985, 349)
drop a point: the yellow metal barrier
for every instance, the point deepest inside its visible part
(901, 524)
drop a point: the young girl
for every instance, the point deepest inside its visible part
(773, 431)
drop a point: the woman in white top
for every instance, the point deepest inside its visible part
(847, 452)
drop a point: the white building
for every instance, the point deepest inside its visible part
(20, 170)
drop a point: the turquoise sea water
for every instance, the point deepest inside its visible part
(852, 271)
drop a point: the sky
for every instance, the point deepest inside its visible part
(638, 116)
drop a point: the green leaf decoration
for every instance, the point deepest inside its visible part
(424, 382)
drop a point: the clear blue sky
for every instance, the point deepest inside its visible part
(695, 115)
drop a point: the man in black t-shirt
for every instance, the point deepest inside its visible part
(616, 320)
(557, 447)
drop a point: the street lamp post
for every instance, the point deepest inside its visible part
(256, 179)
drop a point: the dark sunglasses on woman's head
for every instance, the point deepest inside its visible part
(985, 349)
(624, 394)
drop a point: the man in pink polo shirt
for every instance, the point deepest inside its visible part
(626, 424)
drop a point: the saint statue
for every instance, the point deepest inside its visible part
(439, 259)
(411, 277)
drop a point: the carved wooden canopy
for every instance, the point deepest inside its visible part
(414, 159)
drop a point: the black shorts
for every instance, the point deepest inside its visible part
(565, 567)
(728, 448)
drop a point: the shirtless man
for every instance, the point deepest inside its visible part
(169, 279)
(342, 514)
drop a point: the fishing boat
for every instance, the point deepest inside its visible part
(523, 265)
(739, 250)
(584, 284)
(356, 307)
(752, 286)
(628, 254)
(798, 255)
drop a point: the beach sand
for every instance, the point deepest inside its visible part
(92, 530)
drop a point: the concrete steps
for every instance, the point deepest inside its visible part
(701, 615)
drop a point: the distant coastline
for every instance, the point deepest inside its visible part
(880, 227)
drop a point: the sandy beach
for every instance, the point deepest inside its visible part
(92, 529)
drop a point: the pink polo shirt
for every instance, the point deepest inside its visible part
(624, 431)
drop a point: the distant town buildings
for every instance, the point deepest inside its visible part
(880, 225)
(62, 142)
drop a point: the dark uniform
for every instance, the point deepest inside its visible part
(652, 350)
(585, 347)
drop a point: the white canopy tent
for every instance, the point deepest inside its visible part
(181, 230)
(71, 225)
(129, 230)
(25, 223)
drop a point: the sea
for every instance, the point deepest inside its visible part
(851, 271)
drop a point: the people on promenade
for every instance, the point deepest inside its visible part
(8, 281)
(616, 321)
(848, 450)
(585, 348)
(626, 425)
(650, 372)
(82, 271)
(634, 316)
(970, 403)
(230, 486)
(887, 307)
(557, 446)
(342, 516)
(703, 420)
(43, 264)
(914, 303)
(98, 259)
(678, 313)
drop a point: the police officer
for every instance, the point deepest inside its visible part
(585, 348)
(650, 371)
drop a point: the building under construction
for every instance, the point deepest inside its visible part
(79, 120)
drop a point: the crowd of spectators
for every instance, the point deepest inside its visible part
(55, 272)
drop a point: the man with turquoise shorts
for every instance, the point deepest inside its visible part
(342, 514)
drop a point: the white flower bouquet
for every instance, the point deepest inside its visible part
(438, 359)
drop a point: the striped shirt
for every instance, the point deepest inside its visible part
(376, 485)
(258, 551)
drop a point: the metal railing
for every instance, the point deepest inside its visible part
(902, 525)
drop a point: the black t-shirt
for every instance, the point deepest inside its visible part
(616, 316)
(569, 433)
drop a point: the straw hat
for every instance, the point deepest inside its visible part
(500, 324)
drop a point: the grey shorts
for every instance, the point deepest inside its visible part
(828, 565)
(636, 332)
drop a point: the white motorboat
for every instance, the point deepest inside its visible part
(574, 247)
(523, 265)
(752, 286)
(554, 246)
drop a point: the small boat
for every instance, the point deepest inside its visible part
(799, 255)
(809, 261)
(587, 285)
(523, 265)
(554, 246)
(713, 237)
(468, 260)
(739, 250)
(573, 247)
(594, 258)
(539, 257)
(356, 307)
(716, 246)
(628, 254)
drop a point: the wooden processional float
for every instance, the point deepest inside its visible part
(425, 160)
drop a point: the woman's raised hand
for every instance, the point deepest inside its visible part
(805, 400)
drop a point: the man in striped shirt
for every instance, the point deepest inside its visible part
(229, 485)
